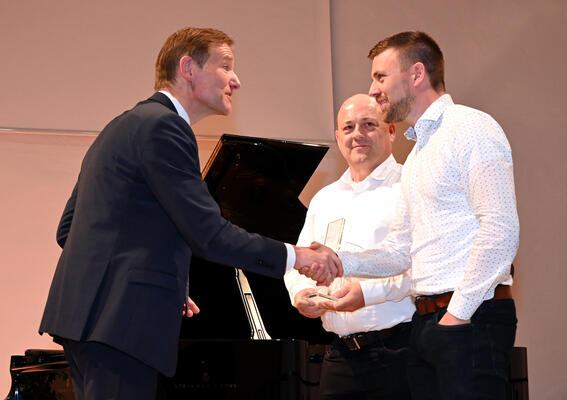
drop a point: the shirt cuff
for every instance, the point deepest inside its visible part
(298, 288)
(378, 291)
(290, 263)
(373, 293)
(461, 306)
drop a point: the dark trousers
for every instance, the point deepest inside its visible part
(102, 372)
(374, 372)
(468, 361)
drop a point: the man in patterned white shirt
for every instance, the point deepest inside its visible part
(456, 224)
(367, 359)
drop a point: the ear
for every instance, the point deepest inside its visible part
(392, 132)
(186, 67)
(419, 74)
(337, 135)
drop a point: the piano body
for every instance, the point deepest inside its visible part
(256, 183)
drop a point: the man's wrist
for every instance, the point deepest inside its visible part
(291, 257)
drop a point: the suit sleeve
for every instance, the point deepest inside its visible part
(389, 257)
(170, 165)
(66, 219)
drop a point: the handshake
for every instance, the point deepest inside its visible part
(319, 263)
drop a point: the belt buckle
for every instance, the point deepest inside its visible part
(351, 343)
(356, 343)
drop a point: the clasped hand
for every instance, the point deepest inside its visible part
(319, 263)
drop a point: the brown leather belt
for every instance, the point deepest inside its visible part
(357, 341)
(430, 304)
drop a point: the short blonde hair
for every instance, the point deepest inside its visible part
(193, 42)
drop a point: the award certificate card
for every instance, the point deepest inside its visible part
(335, 234)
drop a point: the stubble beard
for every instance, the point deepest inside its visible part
(398, 111)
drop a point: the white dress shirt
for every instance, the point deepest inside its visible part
(367, 207)
(456, 221)
(178, 107)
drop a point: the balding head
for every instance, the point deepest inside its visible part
(364, 139)
(358, 101)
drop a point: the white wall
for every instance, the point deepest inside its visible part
(37, 172)
(75, 64)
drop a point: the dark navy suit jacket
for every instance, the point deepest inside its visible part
(137, 214)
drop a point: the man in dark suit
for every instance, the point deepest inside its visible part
(137, 214)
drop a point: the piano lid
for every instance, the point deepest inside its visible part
(256, 182)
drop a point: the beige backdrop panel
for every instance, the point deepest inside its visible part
(75, 64)
(37, 174)
(507, 58)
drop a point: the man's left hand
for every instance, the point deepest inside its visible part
(190, 308)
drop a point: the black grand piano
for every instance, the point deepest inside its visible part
(248, 342)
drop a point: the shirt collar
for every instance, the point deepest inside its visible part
(429, 120)
(380, 173)
(178, 107)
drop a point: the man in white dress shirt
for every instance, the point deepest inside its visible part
(367, 359)
(456, 224)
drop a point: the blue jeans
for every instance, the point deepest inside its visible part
(468, 361)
